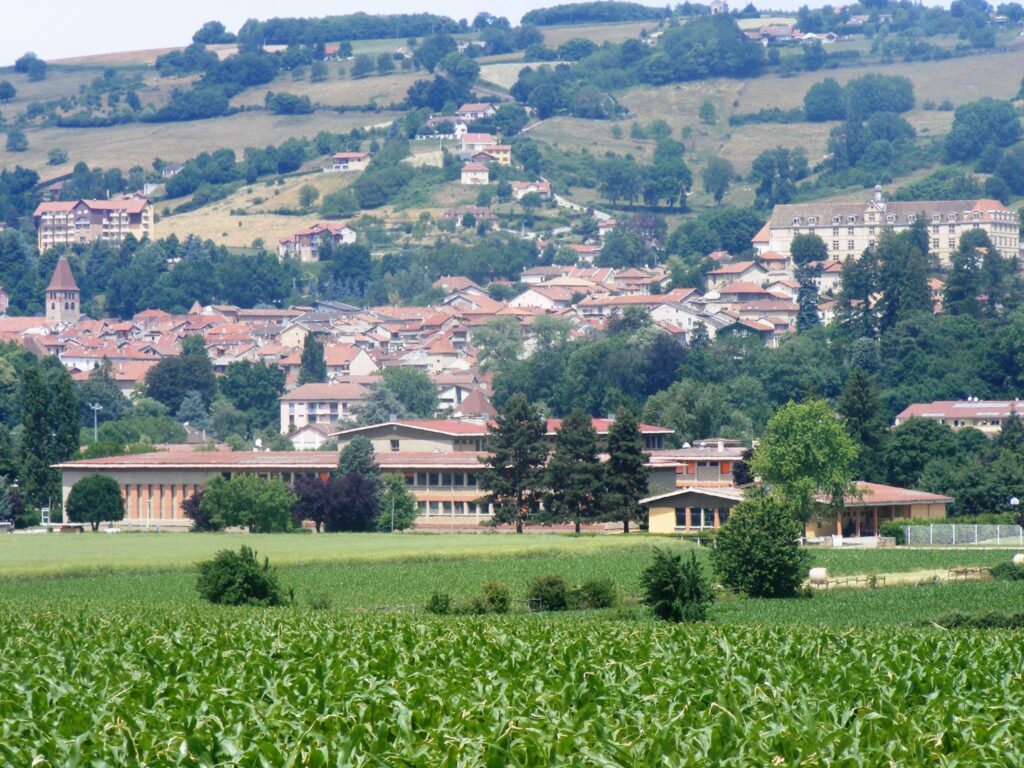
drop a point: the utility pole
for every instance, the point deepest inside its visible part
(96, 408)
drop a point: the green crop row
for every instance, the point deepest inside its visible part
(205, 686)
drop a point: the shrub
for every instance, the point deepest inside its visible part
(320, 602)
(757, 552)
(496, 597)
(676, 588)
(548, 593)
(236, 578)
(95, 499)
(598, 593)
(1008, 572)
(439, 603)
(893, 530)
(990, 620)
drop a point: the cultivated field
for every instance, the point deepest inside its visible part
(107, 657)
(140, 143)
(335, 91)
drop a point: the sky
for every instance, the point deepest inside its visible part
(63, 28)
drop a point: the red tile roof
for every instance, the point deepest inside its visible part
(62, 279)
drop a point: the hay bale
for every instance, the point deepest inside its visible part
(1018, 559)
(819, 577)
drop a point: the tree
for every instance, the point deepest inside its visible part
(808, 248)
(806, 299)
(515, 462)
(308, 194)
(169, 380)
(912, 445)
(803, 451)
(824, 101)
(313, 367)
(980, 123)
(192, 411)
(7, 91)
(358, 457)
(757, 551)
(814, 55)
(254, 388)
(39, 482)
(675, 588)
(707, 112)
(574, 475)
(318, 73)
(362, 66)
(17, 141)
(95, 499)
(385, 63)
(627, 470)
(263, 506)
(192, 507)
(57, 156)
(499, 342)
(63, 417)
(397, 505)
(413, 388)
(236, 578)
(861, 409)
(717, 175)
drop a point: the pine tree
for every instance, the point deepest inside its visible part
(314, 367)
(63, 408)
(192, 411)
(358, 457)
(627, 470)
(861, 409)
(1011, 435)
(807, 301)
(39, 482)
(915, 295)
(575, 477)
(858, 283)
(515, 462)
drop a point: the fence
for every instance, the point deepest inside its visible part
(950, 535)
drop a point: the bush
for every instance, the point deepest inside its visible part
(95, 499)
(236, 578)
(757, 552)
(676, 588)
(598, 593)
(1008, 572)
(439, 603)
(496, 597)
(893, 530)
(548, 593)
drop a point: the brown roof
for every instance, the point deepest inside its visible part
(62, 279)
(874, 493)
(344, 391)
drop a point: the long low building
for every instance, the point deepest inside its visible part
(987, 416)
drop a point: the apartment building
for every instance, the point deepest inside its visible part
(848, 229)
(86, 221)
(305, 244)
(324, 404)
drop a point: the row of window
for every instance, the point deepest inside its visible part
(700, 517)
(892, 218)
(452, 508)
(441, 479)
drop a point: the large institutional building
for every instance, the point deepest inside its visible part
(86, 221)
(848, 229)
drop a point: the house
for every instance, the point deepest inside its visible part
(849, 229)
(495, 153)
(604, 227)
(477, 142)
(343, 162)
(170, 170)
(740, 271)
(521, 189)
(442, 127)
(475, 173)
(304, 245)
(719, 7)
(88, 221)
(480, 213)
(348, 360)
(547, 297)
(312, 437)
(320, 404)
(697, 508)
(476, 111)
(988, 416)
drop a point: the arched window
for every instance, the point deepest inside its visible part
(53, 305)
(66, 305)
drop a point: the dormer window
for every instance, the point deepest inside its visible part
(936, 217)
(837, 219)
(975, 216)
(951, 217)
(851, 219)
(891, 218)
(912, 218)
(796, 221)
(812, 220)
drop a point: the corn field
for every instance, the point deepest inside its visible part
(205, 687)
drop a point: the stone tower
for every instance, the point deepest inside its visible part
(63, 299)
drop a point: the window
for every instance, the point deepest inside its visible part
(912, 218)
(410, 479)
(952, 243)
(460, 479)
(936, 217)
(471, 480)
(812, 220)
(723, 515)
(421, 478)
(394, 446)
(835, 245)
(695, 517)
(891, 218)
(446, 478)
(849, 245)
(680, 517)
(871, 230)
(935, 242)
(837, 219)
(835, 231)
(435, 479)
(849, 231)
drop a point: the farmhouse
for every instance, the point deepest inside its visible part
(343, 162)
(848, 229)
(521, 189)
(476, 111)
(86, 221)
(476, 142)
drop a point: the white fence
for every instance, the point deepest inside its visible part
(951, 535)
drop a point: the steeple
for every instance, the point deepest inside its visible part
(63, 298)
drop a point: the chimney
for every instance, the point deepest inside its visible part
(721, 446)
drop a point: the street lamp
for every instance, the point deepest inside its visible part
(96, 408)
